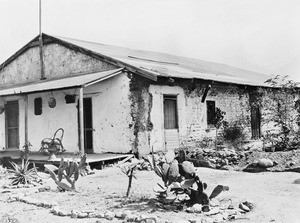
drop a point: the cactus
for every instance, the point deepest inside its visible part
(180, 177)
(68, 170)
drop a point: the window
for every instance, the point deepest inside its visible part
(170, 112)
(38, 105)
(211, 112)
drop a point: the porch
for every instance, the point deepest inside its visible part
(95, 159)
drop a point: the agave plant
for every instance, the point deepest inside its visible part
(22, 174)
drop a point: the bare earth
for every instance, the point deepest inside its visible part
(275, 196)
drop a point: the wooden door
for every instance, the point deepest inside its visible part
(12, 124)
(88, 125)
(171, 122)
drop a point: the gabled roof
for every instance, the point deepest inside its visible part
(152, 64)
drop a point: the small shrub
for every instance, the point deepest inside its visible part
(129, 170)
(233, 133)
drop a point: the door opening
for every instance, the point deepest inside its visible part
(255, 122)
(12, 124)
(87, 124)
(171, 122)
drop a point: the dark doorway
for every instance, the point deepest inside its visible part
(12, 124)
(255, 122)
(254, 100)
(88, 125)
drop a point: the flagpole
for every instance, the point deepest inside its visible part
(41, 42)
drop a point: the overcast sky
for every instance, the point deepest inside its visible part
(259, 35)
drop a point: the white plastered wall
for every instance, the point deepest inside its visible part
(111, 115)
(61, 116)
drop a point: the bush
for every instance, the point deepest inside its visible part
(233, 133)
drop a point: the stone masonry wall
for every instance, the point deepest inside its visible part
(192, 113)
(228, 98)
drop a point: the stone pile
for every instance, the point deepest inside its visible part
(217, 159)
(221, 211)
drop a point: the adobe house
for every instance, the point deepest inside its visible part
(117, 100)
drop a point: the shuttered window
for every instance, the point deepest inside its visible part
(170, 112)
(211, 112)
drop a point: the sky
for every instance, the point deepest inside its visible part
(257, 35)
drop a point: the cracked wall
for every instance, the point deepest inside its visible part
(58, 61)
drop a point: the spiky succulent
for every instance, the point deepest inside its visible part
(22, 174)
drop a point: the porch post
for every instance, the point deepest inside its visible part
(26, 119)
(81, 127)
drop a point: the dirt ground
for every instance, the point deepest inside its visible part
(274, 195)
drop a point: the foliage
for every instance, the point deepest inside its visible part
(286, 136)
(218, 122)
(25, 151)
(129, 170)
(180, 178)
(205, 142)
(233, 132)
(219, 117)
(66, 170)
(3, 171)
(22, 174)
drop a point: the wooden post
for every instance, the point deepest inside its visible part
(81, 127)
(26, 119)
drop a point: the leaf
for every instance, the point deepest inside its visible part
(158, 171)
(217, 190)
(150, 160)
(165, 170)
(63, 186)
(173, 172)
(187, 183)
(170, 156)
(175, 185)
(53, 176)
(188, 169)
(51, 167)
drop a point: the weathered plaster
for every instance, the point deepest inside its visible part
(192, 115)
(61, 61)
(111, 115)
(58, 61)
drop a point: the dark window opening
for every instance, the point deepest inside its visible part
(211, 112)
(38, 106)
(170, 112)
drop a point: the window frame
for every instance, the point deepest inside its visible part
(171, 98)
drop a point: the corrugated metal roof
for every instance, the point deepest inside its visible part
(174, 66)
(61, 83)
